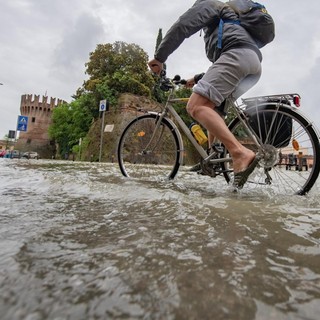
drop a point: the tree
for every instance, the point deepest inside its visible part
(180, 107)
(113, 69)
(118, 68)
(159, 39)
(70, 122)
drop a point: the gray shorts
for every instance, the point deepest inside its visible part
(235, 72)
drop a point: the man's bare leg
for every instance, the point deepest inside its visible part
(202, 109)
(211, 139)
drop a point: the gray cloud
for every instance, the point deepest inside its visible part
(47, 43)
(80, 39)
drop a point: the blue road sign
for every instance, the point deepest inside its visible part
(102, 105)
(22, 127)
(22, 123)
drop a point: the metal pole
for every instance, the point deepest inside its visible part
(101, 137)
(80, 143)
(16, 134)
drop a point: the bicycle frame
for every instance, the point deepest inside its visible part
(168, 109)
(230, 102)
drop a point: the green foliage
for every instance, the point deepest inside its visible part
(231, 114)
(183, 92)
(158, 94)
(117, 68)
(70, 122)
(122, 82)
(77, 149)
(113, 69)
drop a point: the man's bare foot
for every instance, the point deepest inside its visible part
(243, 161)
(241, 177)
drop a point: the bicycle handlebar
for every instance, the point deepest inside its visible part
(177, 80)
(166, 84)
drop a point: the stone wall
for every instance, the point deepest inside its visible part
(129, 107)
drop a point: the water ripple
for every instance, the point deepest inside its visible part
(79, 241)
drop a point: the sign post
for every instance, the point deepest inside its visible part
(80, 143)
(103, 106)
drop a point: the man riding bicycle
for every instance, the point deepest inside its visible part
(236, 67)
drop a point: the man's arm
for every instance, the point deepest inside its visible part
(203, 13)
(192, 81)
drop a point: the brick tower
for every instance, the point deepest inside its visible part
(39, 115)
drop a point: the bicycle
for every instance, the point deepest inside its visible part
(272, 126)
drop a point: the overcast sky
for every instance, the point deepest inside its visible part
(45, 44)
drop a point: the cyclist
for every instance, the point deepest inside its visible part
(236, 67)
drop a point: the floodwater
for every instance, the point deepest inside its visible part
(79, 241)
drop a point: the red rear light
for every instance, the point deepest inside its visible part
(296, 101)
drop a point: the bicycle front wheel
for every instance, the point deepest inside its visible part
(149, 149)
(290, 161)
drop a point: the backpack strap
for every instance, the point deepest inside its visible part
(220, 29)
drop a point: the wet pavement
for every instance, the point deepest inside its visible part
(79, 241)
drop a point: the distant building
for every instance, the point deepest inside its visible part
(298, 159)
(39, 115)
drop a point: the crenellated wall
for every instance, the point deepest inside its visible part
(39, 113)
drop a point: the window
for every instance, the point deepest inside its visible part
(33, 119)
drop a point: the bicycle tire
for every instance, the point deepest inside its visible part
(161, 159)
(287, 177)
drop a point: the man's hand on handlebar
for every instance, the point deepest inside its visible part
(155, 66)
(190, 83)
(165, 83)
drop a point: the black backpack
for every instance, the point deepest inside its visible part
(255, 18)
(276, 131)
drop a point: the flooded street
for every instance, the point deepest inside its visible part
(79, 241)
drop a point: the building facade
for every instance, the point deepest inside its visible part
(39, 113)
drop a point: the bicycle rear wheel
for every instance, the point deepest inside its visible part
(290, 161)
(145, 151)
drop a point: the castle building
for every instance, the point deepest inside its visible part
(39, 113)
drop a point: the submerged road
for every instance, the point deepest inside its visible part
(79, 241)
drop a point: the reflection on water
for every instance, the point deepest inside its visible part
(78, 241)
